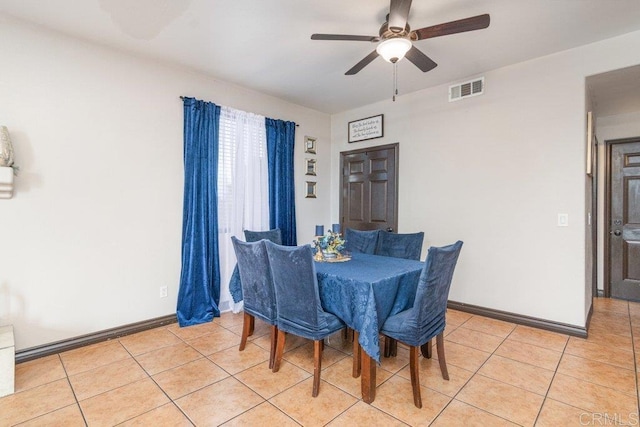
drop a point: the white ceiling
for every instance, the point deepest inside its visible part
(265, 44)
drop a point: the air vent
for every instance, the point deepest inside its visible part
(466, 89)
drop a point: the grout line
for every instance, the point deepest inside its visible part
(635, 363)
(262, 403)
(201, 388)
(84, 418)
(158, 385)
(474, 373)
(555, 372)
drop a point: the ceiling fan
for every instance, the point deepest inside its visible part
(396, 37)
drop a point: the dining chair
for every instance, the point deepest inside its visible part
(235, 286)
(274, 235)
(257, 289)
(417, 325)
(364, 242)
(298, 303)
(359, 241)
(396, 245)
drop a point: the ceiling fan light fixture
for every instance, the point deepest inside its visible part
(394, 49)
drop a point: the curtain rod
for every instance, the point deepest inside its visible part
(183, 97)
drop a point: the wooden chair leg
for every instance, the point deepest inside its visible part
(317, 366)
(427, 350)
(347, 334)
(246, 326)
(390, 347)
(415, 375)
(357, 355)
(279, 350)
(274, 341)
(441, 359)
(252, 325)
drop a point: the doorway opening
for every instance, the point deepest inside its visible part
(614, 98)
(622, 219)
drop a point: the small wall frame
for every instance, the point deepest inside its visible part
(310, 166)
(309, 145)
(310, 190)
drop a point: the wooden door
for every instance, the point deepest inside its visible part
(624, 219)
(369, 184)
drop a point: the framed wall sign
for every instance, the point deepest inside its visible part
(368, 128)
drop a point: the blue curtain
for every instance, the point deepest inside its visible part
(282, 205)
(199, 292)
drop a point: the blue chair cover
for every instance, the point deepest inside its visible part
(257, 285)
(407, 246)
(274, 236)
(426, 319)
(363, 242)
(297, 296)
(235, 288)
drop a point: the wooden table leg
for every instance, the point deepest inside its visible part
(357, 354)
(368, 380)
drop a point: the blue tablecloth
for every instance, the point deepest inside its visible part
(363, 292)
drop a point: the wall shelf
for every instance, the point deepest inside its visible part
(7, 360)
(6, 182)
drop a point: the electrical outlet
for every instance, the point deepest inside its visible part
(163, 291)
(563, 220)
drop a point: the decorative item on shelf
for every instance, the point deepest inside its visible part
(6, 150)
(329, 247)
(7, 168)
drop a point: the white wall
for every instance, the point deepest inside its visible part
(495, 171)
(94, 228)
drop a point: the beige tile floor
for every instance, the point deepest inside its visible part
(500, 374)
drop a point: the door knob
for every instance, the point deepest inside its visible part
(616, 232)
(389, 229)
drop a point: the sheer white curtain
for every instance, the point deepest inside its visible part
(243, 193)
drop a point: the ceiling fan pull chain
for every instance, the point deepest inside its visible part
(395, 83)
(395, 80)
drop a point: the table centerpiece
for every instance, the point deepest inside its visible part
(330, 247)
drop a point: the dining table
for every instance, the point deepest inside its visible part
(363, 291)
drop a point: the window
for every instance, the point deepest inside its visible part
(243, 193)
